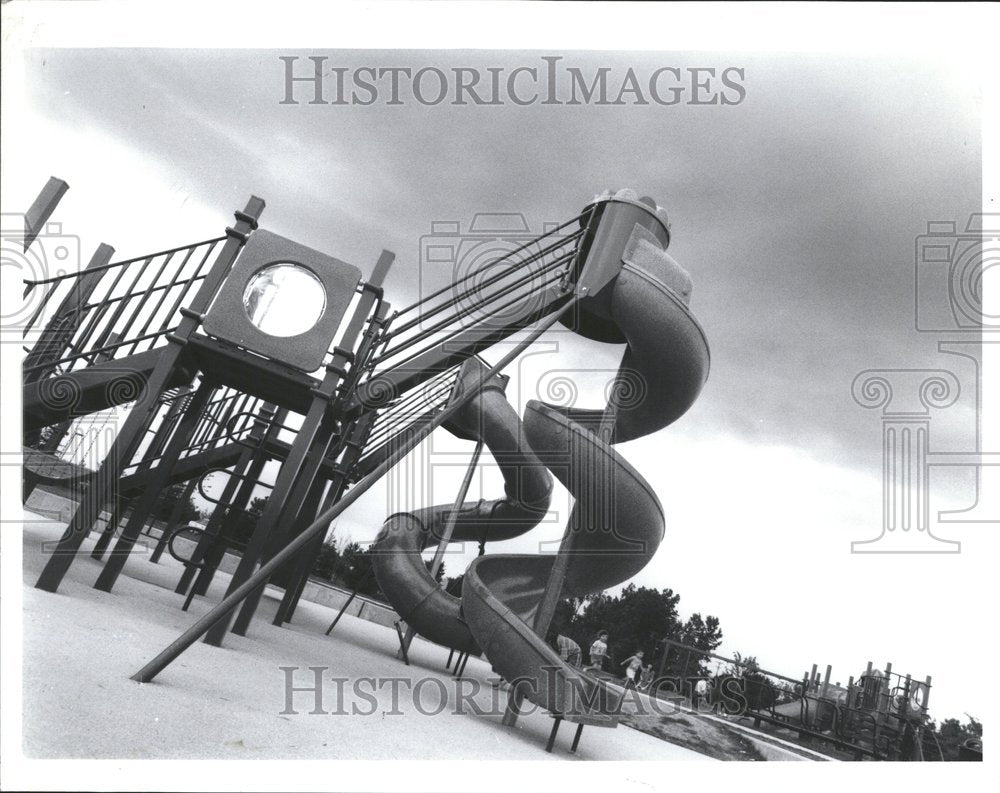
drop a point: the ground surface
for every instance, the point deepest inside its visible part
(81, 646)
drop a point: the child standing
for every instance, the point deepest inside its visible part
(598, 650)
(632, 670)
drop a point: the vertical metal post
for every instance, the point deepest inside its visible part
(158, 480)
(353, 448)
(663, 658)
(52, 342)
(212, 528)
(117, 510)
(304, 458)
(349, 601)
(446, 533)
(307, 514)
(42, 208)
(402, 649)
(173, 521)
(217, 551)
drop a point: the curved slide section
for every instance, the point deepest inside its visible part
(617, 522)
(399, 567)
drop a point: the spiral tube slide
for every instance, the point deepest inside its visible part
(399, 568)
(617, 522)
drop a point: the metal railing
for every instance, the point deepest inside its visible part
(113, 310)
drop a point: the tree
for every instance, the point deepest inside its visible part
(246, 520)
(164, 506)
(353, 570)
(635, 620)
(951, 734)
(326, 560)
(759, 691)
(439, 577)
(705, 636)
(454, 585)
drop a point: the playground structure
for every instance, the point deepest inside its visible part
(881, 715)
(337, 388)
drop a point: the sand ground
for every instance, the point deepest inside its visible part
(80, 647)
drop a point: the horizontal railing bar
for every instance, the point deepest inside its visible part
(520, 248)
(103, 267)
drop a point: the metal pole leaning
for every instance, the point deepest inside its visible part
(349, 600)
(259, 578)
(446, 532)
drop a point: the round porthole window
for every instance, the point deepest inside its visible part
(284, 299)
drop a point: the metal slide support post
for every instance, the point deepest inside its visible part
(127, 440)
(212, 528)
(215, 530)
(560, 566)
(306, 514)
(153, 451)
(219, 614)
(350, 600)
(162, 433)
(447, 531)
(355, 448)
(402, 649)
(300, 578)
(353, 444)
(552, 735)
(293, 467)
(157, 482)
(173, 521)
(291, 489)
(217, 551)
(116, 511)
(329, 409)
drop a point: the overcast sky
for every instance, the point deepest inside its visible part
(795, 211)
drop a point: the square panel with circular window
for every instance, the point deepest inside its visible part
(283, 300)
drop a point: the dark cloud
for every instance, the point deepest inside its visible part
(795, 211)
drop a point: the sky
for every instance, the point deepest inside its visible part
(796, 211)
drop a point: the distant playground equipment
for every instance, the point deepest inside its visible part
(248, 348)
(880, 715)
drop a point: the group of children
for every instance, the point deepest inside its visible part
(637, 675)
